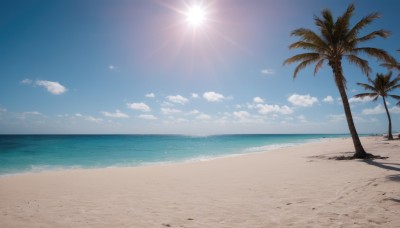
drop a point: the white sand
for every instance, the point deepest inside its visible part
(281, 188)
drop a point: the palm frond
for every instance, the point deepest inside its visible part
(361, 24)
(309, 36)
(342, 23)
(361, 63)
(302, 65)
(318, 66)
(376, 53)
(379, 33)
(367, 87)
(391, 66)
(301, 57)
(326, 25)
(363, 95)
(307, 46)
(395, 97)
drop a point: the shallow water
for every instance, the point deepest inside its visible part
(33, 153)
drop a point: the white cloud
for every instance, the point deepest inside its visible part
(150, 95)
(117, 114)
(373, 111)
(89, 118)
(302, 100)
(63, 115)
(2, 109)
(178, 99)
(302, 118)
(168, 111)
(336, 117)
(360, 100)
(245, 117)
(113, 68)
(24, 115)
(53, 87)
(395, 109)
(328, 99)
(265, 109)
(373, 120)
(258, 100)
(193, 112)
(267, 71)
(139, 106)
(26, 81)
(203, 116)
(167, 104)
(213, 96)
(195, 95)
(93, 119)
(147, 117)
(242, 114)
(34, 113)
(29, 115)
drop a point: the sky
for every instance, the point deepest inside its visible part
(144, 67)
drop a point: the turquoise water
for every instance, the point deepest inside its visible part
(32, 153)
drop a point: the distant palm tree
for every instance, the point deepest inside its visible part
(393, 66)
(381, 86)
(337, 40)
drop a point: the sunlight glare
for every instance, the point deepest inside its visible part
(196, 15)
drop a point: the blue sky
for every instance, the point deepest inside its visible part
(138, 67)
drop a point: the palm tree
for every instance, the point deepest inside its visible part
(381, 86)
(393, 66)
(334, 41)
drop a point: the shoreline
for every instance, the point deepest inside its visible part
(201, 158)
(295, 186)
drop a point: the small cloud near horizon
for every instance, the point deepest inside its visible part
(27, 81)
(113, 68)
(116, 114)
(373, 111)
(268, 71)
(213, 96)
(258, 100)
(52, 87)
(178, 99)
(139, 106)
(168, 111)
(360, 99)
(266, 109)
(150, 95)
(328, 99)
(147, 117)
(302, 100)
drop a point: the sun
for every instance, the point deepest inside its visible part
(196, 15)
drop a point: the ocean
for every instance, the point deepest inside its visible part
(36, 153)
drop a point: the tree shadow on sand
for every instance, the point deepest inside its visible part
(395, 177)
(369, 157)
(375, 160)
(384, 165)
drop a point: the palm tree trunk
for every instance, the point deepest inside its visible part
(360, 152)
(390, 136)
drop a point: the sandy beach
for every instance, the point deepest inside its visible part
(289, 187)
